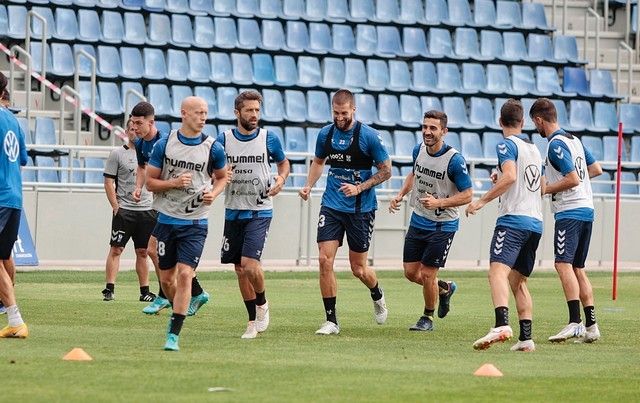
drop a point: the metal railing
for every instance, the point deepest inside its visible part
(43, 51)
(76, 83)
(591, 12)
(628, 49)
(64, 91)
(15, 49)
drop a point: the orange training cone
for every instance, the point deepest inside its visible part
(487, 370)
(77, 354)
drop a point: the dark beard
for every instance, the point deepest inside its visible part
(247, 125)
(346, 125)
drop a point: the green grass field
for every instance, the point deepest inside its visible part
(366, 362)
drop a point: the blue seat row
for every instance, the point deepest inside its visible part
(52, 170)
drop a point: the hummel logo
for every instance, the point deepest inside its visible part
(561, 238)
(496, 251)
(560, 244)
(559, 152)
(561, 233)
(195, 203)
(560, 251)
(502, 148)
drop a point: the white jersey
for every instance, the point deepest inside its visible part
(249, 187)
(579, 196)
(182, 158)
(523, 197)
(430, 177)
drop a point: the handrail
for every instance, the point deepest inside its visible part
(592, 12)
(76, 83)
(605, 14)
(564, 17)
(629, 68)
(27, 79)
(627, 14)
(76, 119)
(43, 51)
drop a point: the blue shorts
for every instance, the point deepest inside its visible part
(431, 248)
(515, 248)
(332, 225)
(244, 238)
(9, 225)
(571, 241)
(179, 244)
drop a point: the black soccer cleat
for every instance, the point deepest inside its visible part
(147, 297)
(108, 295)
(445, 299)
(424, 324)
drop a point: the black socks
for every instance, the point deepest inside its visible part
(502, 316)
(251, 309)
(525, 330)
(590, 315)
(195, 287)
(176, 323)
(376, 293)
(574, 311)
(330, 309)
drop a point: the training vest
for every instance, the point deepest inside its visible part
(350, 158)
(580, 195)
(523, 197)
(249, 187)
(430, 177)
(178, 159)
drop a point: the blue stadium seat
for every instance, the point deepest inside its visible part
(366, 107)
(514, 47)
(540, 49)
(456, 111)
(36, 24)
(389, 42)
(316, 10)
(424, 77)
(481, 179)
(524, 81)
(178, 94)
(158, 95)
(451, 138)
(387, 141)
(298, 175)
(273, 107)
(154, 6)
(386, 11)
(221, 70)
(293, 9)
(318, 107)
(548, 82)
(440, 43)
(366, 40)
(499, 81)
(563, 119)
(489, 142)
(377, 75)
(497, 105)
(96, 166)
(46, 175)
(533, 16)
(344, 43)
(436, 12)
(320, 40)
(449, 79)
(66, 24)
(268, 8)
(481, 113)
(635, 148)
(598, 185)
(395, 182)
(484, 13)
(109, 65)
(249, 36)
(297, 36)
(581, 117)
(601, 84)
(88, 26)
(155, 67)
(526, 106)
(28, 175)
(242, 69)
(226, 36)
(62, 61)
(414, 41)
(491, 46)
(508, 14)
(312, 136)
(16, 21)
(466, 45)
(388, 110)
(333, 72)
(45, 131)
(84, 65)
(575, 80)
(399, 76)
(158, 29)
(627, 188)
(210, 130)
(132, 66)
(431, 103)
(203, 6)
(133, 98)
(471, 146)
(362, 11)
(36, 56)
(355, 74)
(4, 21)
(203, 32)
(411, 12)
(135, 29)
(605, 117)
(460, 13)
(286, 71)
(110, 100)
(295, 106)
(295, 141)
(594, 145)
(337, 10)
(565, 49)
(76, 177)
(24, 125)
(273, 35)
(182, 7)
(404, 143)
(226, 97)
(473, 78)
(263, 71)
(199, 67)
(309, 74)
(630, 117)
(541, 143)
(209, 95)
(181, 31)
(112, 27)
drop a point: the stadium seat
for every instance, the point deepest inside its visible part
(155, 67)
(298, 175)
(210, 130)
(320, 40)
(563, 118)
(209, 95)
(499, 81)
(203, 32)
(178, 94)
(541, 143)
(602, 184)
(333, 72)
(456, 111)
(575, 80)
(337, 10)
(366, 40)
(16, 21)
(481, 113)
(273, 37)
(424, 78)
(399, 76)
(344, 43)
(182, 7)
(110, 101)
(481, 179)
(436, 12)
(47, 170)
(466, 44)
(226, 36)
(66, 24)
(36, 24)
(316, 10)
(508, 14)
(387, 11)
(295, 106)
(440, 44)
(62, 61)
(410, 111)
(610, 146)
(451, 138)
(242, 69)
(581, 117)
(226, 97)
(389, 42)
(473, 78)
(135, 29)
(286, 71)
(484, 13)
(154, 6)
(460, 13)
(411, 12)
(490, 141)
(24, 125)
(77, 176)
(36, 56)
(267, 9)
(362, 11)
(45, 131)
(263, 70)
(540, 49)
(388, 110)
(627, 188)
(565, 49)
(204, 6)
(635, 148)
(526, 105)
(547, 81)
(387, 141)
(126, 90)
(112, 27)
(491, 45)
(355, 74)
(605, 117)
(181, 31)
(449, 79)
(414, 42)
(95, 169)
(533, 16)
(601, 84)
(221, 70)
(199, 67)
(132, 66)
(404, 142)
(109, 65)
(293, 9)
(312, 136)
(471, 146)
(158, 95)
(594, 145)
(273, 107)
(318, 108)
(309, 73)
(28, 175)
(630, 117)
(431, 103)
(524, 81)
(297, 36)
(158, 30)
(366, 108)
(295, 141)
(514, 47)
(396, 180)
(377, 75)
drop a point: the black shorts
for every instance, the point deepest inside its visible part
(431, 248)
(132, 224)
(332, 225)
(179, 244)
(571, 241)
(515, 248)
(9, 225)
(244, 238)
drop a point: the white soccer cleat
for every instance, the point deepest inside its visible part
(570, 331)
(262, 317)
(591, 334)
(380, 310)
(526, 345)
(251, 332)
(328, 328)
(495, 335)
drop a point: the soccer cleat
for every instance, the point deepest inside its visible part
(328, 328)
(108, 295)
(445, 299)
(591, 334)
(251, 332)
(147, 297)
(197, 302)
(526, 345)
(495, 335)
(380, 311)
(3, 309)
(16, 332)
(262, 317)
(570, 331)
(424, 323)
(156, 306)
(172, 342)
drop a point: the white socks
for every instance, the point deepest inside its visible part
(14, 316)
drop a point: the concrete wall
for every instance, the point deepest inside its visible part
(72, 228)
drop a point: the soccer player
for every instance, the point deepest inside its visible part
(143, 121)
(12, 155)
(519, 185)
(569, 167)
(130, 219)
(248, 204)
(439, 184)
(351, 148)
(179, 174)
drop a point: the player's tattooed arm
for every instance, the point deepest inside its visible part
(384, 173)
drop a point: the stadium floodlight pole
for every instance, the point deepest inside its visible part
(614, 291)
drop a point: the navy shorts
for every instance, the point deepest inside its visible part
(332, 225)
(428, 247)
(244, 238)
(179, 244)
(515, 248)
(571, 241)
(9, 225)
(134, 224)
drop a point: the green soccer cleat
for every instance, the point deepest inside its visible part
(156, 306)
(172, 342)
(197, 302)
